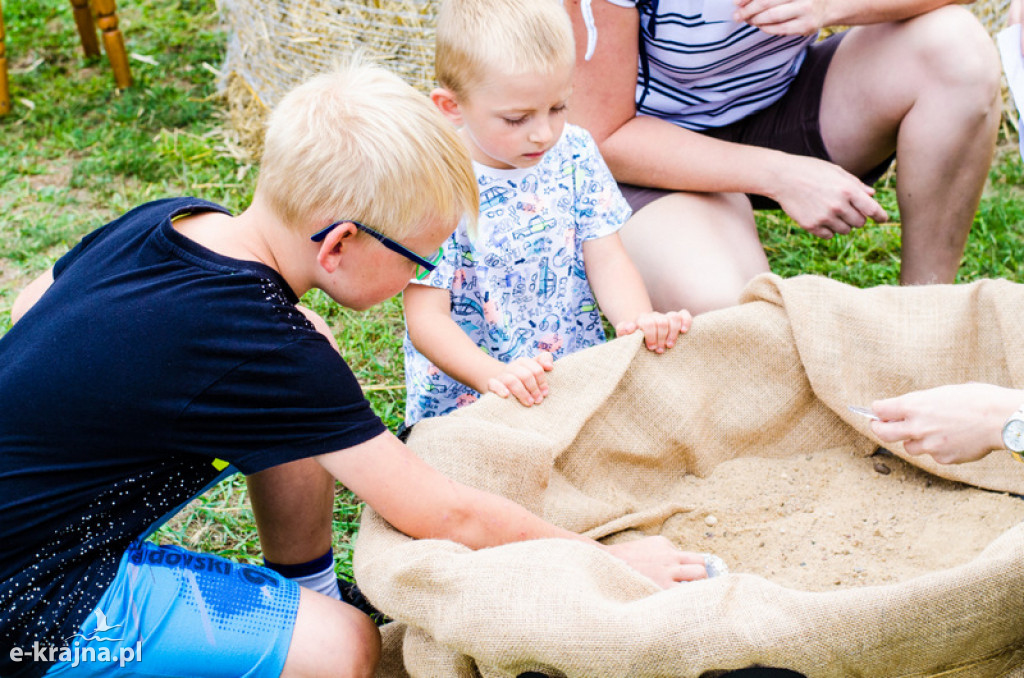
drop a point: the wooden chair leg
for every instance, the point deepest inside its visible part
(113, 41)
(5, 92)
(86, 28)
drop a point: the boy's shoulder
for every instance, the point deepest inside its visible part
(172, 206)
(125, 230)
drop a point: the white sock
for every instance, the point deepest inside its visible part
(324, 581)
(317, 574)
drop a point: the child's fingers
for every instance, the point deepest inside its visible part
(675, 327)
(625, 327)
(687, 320)
(691, 572)
(545, 360)
(662, 329)
(523, 394)
(534, 379)
(506, 385)
(529, 372)
(658, 330)
(684, 320)
(526, 381)
(495, 386)
(658, 334)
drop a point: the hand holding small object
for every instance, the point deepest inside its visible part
(659, 560)
(954, 423)
(863, 411)
(823, 198)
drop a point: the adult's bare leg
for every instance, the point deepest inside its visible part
(695, 250)
(293, 505)
(927, 87)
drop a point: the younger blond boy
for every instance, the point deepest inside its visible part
(525, 286)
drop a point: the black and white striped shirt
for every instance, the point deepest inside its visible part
(700, 73)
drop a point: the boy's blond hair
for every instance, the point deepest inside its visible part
(361, 144)
(476, 38)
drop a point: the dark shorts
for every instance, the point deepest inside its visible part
(791, 125)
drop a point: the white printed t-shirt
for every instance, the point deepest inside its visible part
(520, 287)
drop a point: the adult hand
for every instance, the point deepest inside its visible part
(524, 378)
(823, 198)
(660, 330)
(658, 559)
(954, 424)
(783, 17)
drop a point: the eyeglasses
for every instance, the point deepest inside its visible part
(423, 266)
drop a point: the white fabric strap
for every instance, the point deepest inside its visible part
(588, 21)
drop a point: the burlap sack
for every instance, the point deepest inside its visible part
(609, 450)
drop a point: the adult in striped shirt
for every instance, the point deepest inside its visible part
(705, 108)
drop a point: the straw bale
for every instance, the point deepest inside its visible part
(274, 45)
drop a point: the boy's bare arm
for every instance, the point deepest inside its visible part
(623, 298)
(436, 335)
(27, 298)
(419, 501)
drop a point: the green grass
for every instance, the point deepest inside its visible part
(870, 256)
(75, 153)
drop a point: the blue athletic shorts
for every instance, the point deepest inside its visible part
(171, 612)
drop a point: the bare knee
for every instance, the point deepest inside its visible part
(331, 639)
(695, 251)
(955, 49)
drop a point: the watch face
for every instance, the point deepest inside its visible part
(1013, 435)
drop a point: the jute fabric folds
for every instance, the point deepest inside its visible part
(606, 455)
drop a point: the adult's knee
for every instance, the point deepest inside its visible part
(695, 251)
(953, 46)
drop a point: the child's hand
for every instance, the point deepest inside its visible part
(657, 558)
(524, 378)
(659, 329)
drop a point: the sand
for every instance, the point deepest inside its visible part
(826, 520)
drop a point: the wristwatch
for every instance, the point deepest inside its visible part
(1013, 434)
